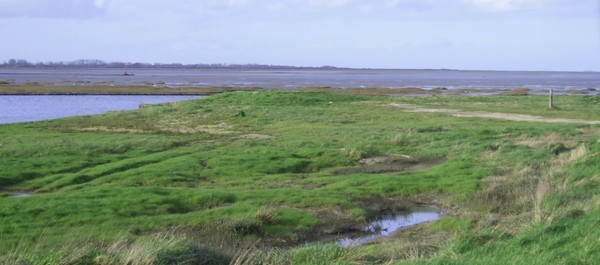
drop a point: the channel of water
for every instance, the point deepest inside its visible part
(21, 195)
(26, 108)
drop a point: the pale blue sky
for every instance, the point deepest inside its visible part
(456, 34)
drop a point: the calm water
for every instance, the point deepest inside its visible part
(35, 108)
(344, 78)
(389, 225)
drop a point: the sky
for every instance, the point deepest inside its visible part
(555, 35)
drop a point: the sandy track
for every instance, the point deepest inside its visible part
(492, 115)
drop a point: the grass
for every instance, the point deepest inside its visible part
(195, 181)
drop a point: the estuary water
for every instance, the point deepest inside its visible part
(298, 78)
(35, 108)
(15, 109)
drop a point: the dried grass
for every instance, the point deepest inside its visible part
(546, 140)
(107, 129)
(216, 129)
(544, 187)
(516, 199)
(578, 153)
(520, 91)
(398, 139)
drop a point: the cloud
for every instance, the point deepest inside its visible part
(411, 4)
(51, 9)
(328, 3)
(99, 3)
(508, 5)
(238, 3)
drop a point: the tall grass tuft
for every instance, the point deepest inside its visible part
(163, 248)
(268, 215)
(316, 254)
(544, 187)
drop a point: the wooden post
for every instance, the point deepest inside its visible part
(551, 99)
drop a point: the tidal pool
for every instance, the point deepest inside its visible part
(387, 225)
(26, 108)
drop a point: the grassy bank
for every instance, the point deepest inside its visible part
(272, 177)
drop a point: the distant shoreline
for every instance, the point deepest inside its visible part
(165, 81)
(256, 67)
(133, 90)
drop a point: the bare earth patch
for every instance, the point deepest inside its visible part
(107, 129)
(210, 129)
(491, 115)
(546, 140)
(256, 136)
(390, 164)
(216, 129)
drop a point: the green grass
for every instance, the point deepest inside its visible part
(181, 179)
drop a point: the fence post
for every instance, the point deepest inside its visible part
(551, 99)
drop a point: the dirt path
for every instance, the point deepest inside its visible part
(491, 115)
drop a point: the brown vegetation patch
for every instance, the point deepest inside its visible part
(256, 136)
(390, 163)
(543, 141)
(216, 129)
(520, 91)
(581, 91)
(412, 243)
(491, 115)
(514, 199)
(221, 128)
(378, 206)
(339, 222)
(110, 129)
(588, 132)
(378, 91)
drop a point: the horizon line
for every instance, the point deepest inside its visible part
(91, 63)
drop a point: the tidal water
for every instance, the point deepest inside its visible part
(15, 109)
(21, 195)
(298, 78)
(35, 108)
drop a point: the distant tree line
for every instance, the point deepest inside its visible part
(93, 63)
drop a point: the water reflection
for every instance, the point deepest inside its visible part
(37, 107)
(390, 224)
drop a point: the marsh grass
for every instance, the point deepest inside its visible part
(259, 189)
(313, 254)
(162, 248)
(521, 91)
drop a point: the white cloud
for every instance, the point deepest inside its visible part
(51, 9)
(99, 3)
(413, 4)
(508, 5)
(238, 3)
(329, 3)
